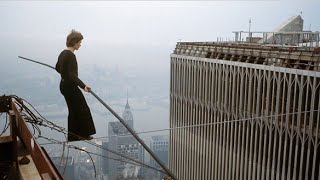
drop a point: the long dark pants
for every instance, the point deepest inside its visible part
(80, 121)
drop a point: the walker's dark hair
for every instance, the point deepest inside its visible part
(73, 38)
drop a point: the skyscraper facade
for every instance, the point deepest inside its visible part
(159, 145)
(243, 120)
(244, 111)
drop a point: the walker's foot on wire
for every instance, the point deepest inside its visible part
(88, 138)
(72, 138)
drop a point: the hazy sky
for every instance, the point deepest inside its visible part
(128, 32)
(147, 21)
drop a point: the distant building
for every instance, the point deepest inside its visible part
(100, 160)
(83, 165)
(160, 146)
(127, 115)
(126, 145)
(243, 110)
(65, 166)
(75, 167)
(105, 161)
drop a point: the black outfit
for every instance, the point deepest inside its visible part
(79, 119)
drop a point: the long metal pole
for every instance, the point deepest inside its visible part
(122, 122)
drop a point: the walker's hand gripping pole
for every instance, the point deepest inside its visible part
(121, 120)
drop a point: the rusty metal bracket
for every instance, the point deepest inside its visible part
(42, 161)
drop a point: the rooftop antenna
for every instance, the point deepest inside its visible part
(127, 95)
(249, 30)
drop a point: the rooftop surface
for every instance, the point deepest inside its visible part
(296, 57)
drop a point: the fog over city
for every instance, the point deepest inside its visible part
(126, 49)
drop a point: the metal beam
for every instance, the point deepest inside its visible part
(43, 163)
